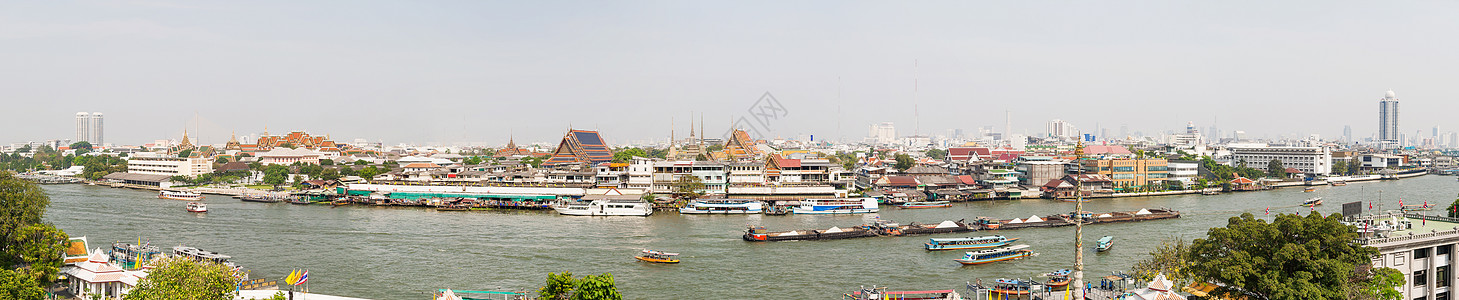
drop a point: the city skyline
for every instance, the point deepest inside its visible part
(482, 72)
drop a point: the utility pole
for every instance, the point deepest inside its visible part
(1078, 281)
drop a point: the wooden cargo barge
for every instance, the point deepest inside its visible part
(881, 228)
(1067, 219)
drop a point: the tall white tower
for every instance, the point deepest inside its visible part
(83, 126)
(1388, 118)
(96, 130)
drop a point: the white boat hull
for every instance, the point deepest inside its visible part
(605, 212)
(800, 211)
(602, 208)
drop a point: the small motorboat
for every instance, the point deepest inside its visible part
(658, 257)
(197, 207)
(1056, 282)
(1315, 201)
(995, 255)
(453, 208)
(1104, 243)
(1338, 183)
(1309, 190)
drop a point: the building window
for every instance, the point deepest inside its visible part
(1442, 276)
(1445, 249)
(1420, 253)
(1442, 296)
(1420, 278)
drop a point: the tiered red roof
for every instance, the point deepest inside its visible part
(581, 146)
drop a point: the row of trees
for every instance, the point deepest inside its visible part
(1292, 257)
(31, 251)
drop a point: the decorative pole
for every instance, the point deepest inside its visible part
(1078, 279)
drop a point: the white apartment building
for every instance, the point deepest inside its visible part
(286, 156)
(1184, 171)
(170, 166)
(1310, 160)
(1422, 250)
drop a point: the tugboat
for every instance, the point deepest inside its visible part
(197, 207)
(658, 257)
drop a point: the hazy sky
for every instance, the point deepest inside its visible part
(444, 71)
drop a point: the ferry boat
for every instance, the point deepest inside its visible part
(723, 206)
(995, 255)
(968, 243)
(836, 206)
(1338, 183)
(197, 207)
(1315, 201)
(260, 198)
(1309, 190)
(179, 195)
(929, 204)
(659, 257)
(604, 208)
(1104, 243)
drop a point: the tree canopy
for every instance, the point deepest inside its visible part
(183, 278)
(687, 187)
(627, 154)
(904, 162)
(1293, 257)
(938, 154)
(81, 145)
(1275, 169)
(31, 252)
(591, 287)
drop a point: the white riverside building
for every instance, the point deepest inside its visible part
(170, 166)
(1310, 160)
(1422, 250)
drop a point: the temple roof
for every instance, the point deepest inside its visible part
(581, 146)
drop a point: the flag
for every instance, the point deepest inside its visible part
(293, 276)
(303, 278)
(1370, 205)
(1268, 210)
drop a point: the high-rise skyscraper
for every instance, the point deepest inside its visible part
(1059, 128)
(96, 137)
(83, 126)
(1388, 118)
(1347, 133)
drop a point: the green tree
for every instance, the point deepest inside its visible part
(714, 147)
(592, 287)
(222, 160)
(39, 251)
(688, 187)
(1354, 167)
(30, 248)
(361, 162)
(183, 278)
(81, 145)
(701, 157)
(1453, 209)
(329, 174)
(904, 162)
(1169, 258)
(938, 154)
(626, 155)
(1339, 168)
(275, 175)
(1293, 257)
(326, 162)
(21, 205)
(18, 286)
(370, 172)
(1275, 169)
(471, 160)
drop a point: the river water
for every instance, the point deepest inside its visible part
(407, 253)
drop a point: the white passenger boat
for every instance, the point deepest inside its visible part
(722, 206)
(179, 195)
(197, 207)
(604, 208)
(836, 206)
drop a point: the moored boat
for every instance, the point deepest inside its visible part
(722, 206)
(879, 293)
(995, 255)
(837, 206)
(1104, 243)
(759, 234)
(260, 198)
(179, 195)
(197, 207)
(1056, 282)
(966, 243)
(1338, 183)
(1309, 190)
(1315, 201)
(604, 208)
(928, 204)
(454, 208)
(660, 257)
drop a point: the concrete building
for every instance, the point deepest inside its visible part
(1060, 128)
(882, 133)
(169, 166)
(95, 137)
(1388, 119)
(286, 156)
(83, 126)
(1039, 172)
(1185, 171)
(1128, 173)
(1309, 160)
(1422, 250)
(1380, 161)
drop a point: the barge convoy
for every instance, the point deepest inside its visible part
(888, 228)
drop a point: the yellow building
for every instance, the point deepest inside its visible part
(1129, 173)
